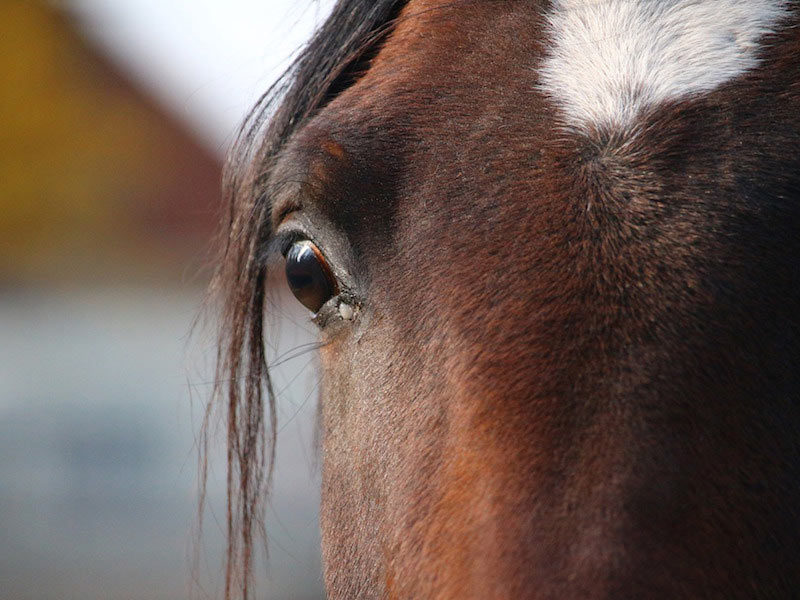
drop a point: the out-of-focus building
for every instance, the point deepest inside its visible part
(97, 181)
(108, 204)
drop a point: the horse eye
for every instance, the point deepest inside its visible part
(309, 276)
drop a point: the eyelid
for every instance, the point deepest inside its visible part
(284, 240)
(279, 244)
(284, 188)
(283, 215)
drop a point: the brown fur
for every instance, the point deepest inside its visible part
(574, 369)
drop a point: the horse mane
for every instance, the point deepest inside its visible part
(338, 53)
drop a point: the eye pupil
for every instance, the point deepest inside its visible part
(309, 275)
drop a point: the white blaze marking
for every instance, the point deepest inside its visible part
(611, 60)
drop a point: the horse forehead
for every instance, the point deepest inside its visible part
(603, 64)
(611, 61)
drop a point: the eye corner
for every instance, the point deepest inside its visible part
(341, 310)
(347, 310)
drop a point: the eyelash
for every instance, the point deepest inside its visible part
(284, 240)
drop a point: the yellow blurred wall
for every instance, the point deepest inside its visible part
(96, 180)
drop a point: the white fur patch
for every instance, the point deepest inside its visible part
(611, 60)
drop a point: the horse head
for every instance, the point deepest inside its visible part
(551, 249)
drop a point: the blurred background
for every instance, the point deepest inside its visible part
(115, 118)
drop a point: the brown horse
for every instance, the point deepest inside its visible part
(553, 252)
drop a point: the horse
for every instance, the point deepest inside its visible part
(551, 250)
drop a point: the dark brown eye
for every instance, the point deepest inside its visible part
(309, 276)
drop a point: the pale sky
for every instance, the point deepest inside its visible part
(206, 60)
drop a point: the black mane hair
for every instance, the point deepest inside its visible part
(338, 53)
